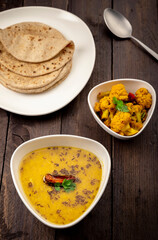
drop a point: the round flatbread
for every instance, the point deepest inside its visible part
(22, 82)
(61, 77)
(32, 41)
(36, 69)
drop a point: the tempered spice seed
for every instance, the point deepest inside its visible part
(45, 198)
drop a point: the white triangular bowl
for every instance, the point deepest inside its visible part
(60, 140)
(131, 85)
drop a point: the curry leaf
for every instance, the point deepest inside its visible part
(57, 186)
(68, 185)
(143, 115)
(120, 106)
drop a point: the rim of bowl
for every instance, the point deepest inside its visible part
(93, 204)
(111, 132)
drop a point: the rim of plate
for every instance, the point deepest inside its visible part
(74, 94)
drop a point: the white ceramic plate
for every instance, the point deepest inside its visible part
(73, 28)
(131, 85)
(60, 140)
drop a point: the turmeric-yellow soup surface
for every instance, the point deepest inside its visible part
(60, 207)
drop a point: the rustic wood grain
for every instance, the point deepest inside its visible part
(4, 121)
(75, 120)
(16, 219)
(128, 207)
(47, 3)
(135, 162)
(8, 4)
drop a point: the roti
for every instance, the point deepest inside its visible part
(61, 77)
(36, 69)
(32, 41)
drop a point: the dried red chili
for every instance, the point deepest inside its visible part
(131, 97)
(57, 179)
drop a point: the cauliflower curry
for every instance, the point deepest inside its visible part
(123, 112)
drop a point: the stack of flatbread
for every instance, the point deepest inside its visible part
(33, 57)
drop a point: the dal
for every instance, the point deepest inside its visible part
(60, 207)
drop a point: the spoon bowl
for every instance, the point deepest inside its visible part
(122, 28)
(117, 23)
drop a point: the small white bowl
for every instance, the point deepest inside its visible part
(131, 85)
(60, 140)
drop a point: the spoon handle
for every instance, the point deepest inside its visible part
(154, 54)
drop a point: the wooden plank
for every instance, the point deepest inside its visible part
(6, 4)
(22, 230)
(134, 217)
(4, 121)
(78, 120)
(4, 116)
(16, 221)
(47, 3)
(135, 162)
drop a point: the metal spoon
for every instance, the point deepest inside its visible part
(121, 27)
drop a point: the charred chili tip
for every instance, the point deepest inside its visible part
(50, 179)
(131, 97)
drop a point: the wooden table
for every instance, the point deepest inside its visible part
(128, 208)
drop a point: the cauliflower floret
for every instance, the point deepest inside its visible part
(137, 108)
(119, 92)
(143, 97)
(130, 105)
(107, 122)
(120, 122)
(104, 103)
(136, 125)
(97, 107)
(131, 131)
(135, 111)
(103, 94)
(105, 114)
(105, 107)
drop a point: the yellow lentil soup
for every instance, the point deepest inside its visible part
(60, 207)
